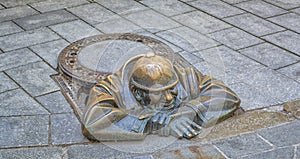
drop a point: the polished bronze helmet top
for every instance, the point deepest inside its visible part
(154, 73)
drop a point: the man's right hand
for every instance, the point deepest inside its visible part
(184, 127)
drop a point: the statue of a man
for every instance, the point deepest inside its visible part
(150, 95)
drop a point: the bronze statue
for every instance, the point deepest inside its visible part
(150, 95)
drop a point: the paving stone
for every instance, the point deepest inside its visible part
(228, 59)
(287, 39)
(75, 30)
(285, 4)
(298, 152)
(55, 103)
(195, 151)
(234, 1)
(95, 151)
(297, 10)
(168, 7)
(235, 38)
(146, 33)
(6, 83)
(27, 38)
(93, 13)
(32, 153)
(66, 129)
(272, 83)
(142, 157)
(252, 98)
(287, 152)
(151, 20)
(9, 28)
(13, 3)
(201, 22)
(216, 8)
(270, 55)
(24, 131)
(17, 58)
(283, 135)
(187, 39)
(260, 8)
(17, 102)
(16, 12)
(253, 24)
(122, 7)
(292, 71)
(49, 51)
(290, 21)
(45, 19)
(236, 147)
(34, 78)
(50, 5)
(119, 25)
(191, 58)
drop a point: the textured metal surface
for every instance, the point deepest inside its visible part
(69, 64)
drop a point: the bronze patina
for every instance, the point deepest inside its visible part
(151, 94)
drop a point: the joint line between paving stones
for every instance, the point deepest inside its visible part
(295, 152)
(265, 140)
(279, 6)
(49, 130)
(29, 5)
(8, 89)
(42, 59)
(26, 91)
(222, 153)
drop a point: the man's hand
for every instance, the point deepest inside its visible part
(159, 120)
(184, 127)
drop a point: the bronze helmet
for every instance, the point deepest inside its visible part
(154, 73)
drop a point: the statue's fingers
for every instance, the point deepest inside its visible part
(195, 126)
(155, 118)
(163, 119)
(177, 133)
(184, 129)
(191, 129)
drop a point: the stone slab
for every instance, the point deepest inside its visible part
(168, 7)
(74, 30)
(17, 58)
(45, 19)
(272, 83)
(13, 3)
(150, 19)
(261, 8)
(50, 5)
(55, 103)
(32, 153)
(6, 83)
(66, 129)
(9, 28)
(216, 8)
(297, 10)
(287, 39)
(234, 1)
(283, 135)
(195, 151)
(298, 152)
(95, 151)
(290, 21)
(34, 78)
(191, 58)
(24, 131)
(16, 12)
(235, 38)
(287, 152)
(49, 51)
(270, 55)
(187, 39)
(93, 13)
(201, 22)
(292, 71)
(285, 4)
(17, 102)
(253, 24)
(122, 7)
(27, 38)
(118, 25)
(252, 98)
(235, 147)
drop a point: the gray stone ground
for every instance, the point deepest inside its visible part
(252, 45)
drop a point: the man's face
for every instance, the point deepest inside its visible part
(156, 100)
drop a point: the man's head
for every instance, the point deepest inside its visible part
(153, 82)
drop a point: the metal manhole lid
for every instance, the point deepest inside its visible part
(69, 64)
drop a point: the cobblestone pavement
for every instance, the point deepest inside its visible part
(252, 45)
